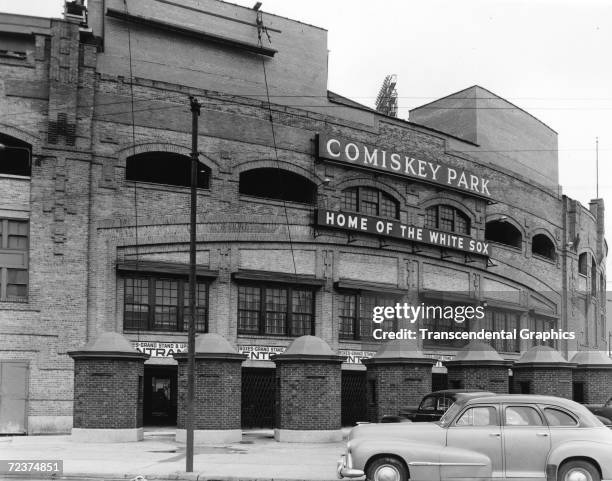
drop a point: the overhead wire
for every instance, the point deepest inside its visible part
(261, 29)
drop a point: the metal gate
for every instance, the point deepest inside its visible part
(258, 397)
(354, 397)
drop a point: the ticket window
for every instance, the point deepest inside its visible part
(160, 397)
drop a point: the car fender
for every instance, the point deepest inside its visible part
(599, 452)
(425, 461)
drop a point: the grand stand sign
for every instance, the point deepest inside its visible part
(392, 228)
(403, 164)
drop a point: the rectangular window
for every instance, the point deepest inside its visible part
(275, 310)
(539, 324)
(356, 313)
(497, 321)
(156, 303)
(439, 318)
(13, 260)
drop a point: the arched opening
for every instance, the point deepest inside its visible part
(541, 245)
(370, 201)
(447, 218)
(166, 168)
(593, 277)
(15, 156)
(278, 184)
(504, 233)
(583, 261)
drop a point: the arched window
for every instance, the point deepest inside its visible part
(370, 201)
(278, 184)
(504, 233)
(15, 156)
(447, 218)
(593, 277)
(583, 261)
(542, 245)
(166, 168)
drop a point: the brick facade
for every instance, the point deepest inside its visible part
(596, 382)
(308, 395)
(394, 386)
(217, 394)
(484, 378)
(544, 380)
(85, 217)
(108, 393)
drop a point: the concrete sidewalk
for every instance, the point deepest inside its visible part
(159, 457)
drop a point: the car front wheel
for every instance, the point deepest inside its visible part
(386, 469)
(578, 471)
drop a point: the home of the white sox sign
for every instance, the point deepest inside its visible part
(404, 164)
(392, 228)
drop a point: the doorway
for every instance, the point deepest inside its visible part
(160, 396)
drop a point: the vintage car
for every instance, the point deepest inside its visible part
(435, 404)
(604, 411)
(500, 437)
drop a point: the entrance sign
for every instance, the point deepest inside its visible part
(263, 353)
(160, 349)
(395, 229)
(260, 353)
(404, 164)
(355, 357)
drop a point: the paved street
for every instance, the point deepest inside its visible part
(258, 456)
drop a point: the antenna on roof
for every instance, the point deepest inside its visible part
(597, 167)
(386, 101)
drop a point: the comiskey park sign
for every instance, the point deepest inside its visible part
(404, 164)
(395, 229)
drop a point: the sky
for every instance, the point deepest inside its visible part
(548, 57)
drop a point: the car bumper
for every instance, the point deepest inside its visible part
(345, 470)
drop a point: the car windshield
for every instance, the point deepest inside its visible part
(450, 413)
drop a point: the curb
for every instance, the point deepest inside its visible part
(155, 477)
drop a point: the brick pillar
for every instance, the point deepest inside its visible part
(308, 376)
(218, 390)
(594, 371)
(108, 391)
(543, 370)
(479, 367)
(399, 375)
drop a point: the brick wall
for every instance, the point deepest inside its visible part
(393, 386)
(597, 384)
(218, 389)
(485, 378)
(547, 381)
(308, 395)
(106, 393)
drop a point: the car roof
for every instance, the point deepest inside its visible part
(460, 391)
(526, 398)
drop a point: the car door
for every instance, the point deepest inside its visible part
(526, 439)
(476, 429)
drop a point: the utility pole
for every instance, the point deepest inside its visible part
(195, 113)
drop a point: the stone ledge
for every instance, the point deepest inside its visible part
(85, 435)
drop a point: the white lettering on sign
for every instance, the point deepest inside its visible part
(363, 155)
(397, 230)
(160, 349)
(355, 357)
(260, 353)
